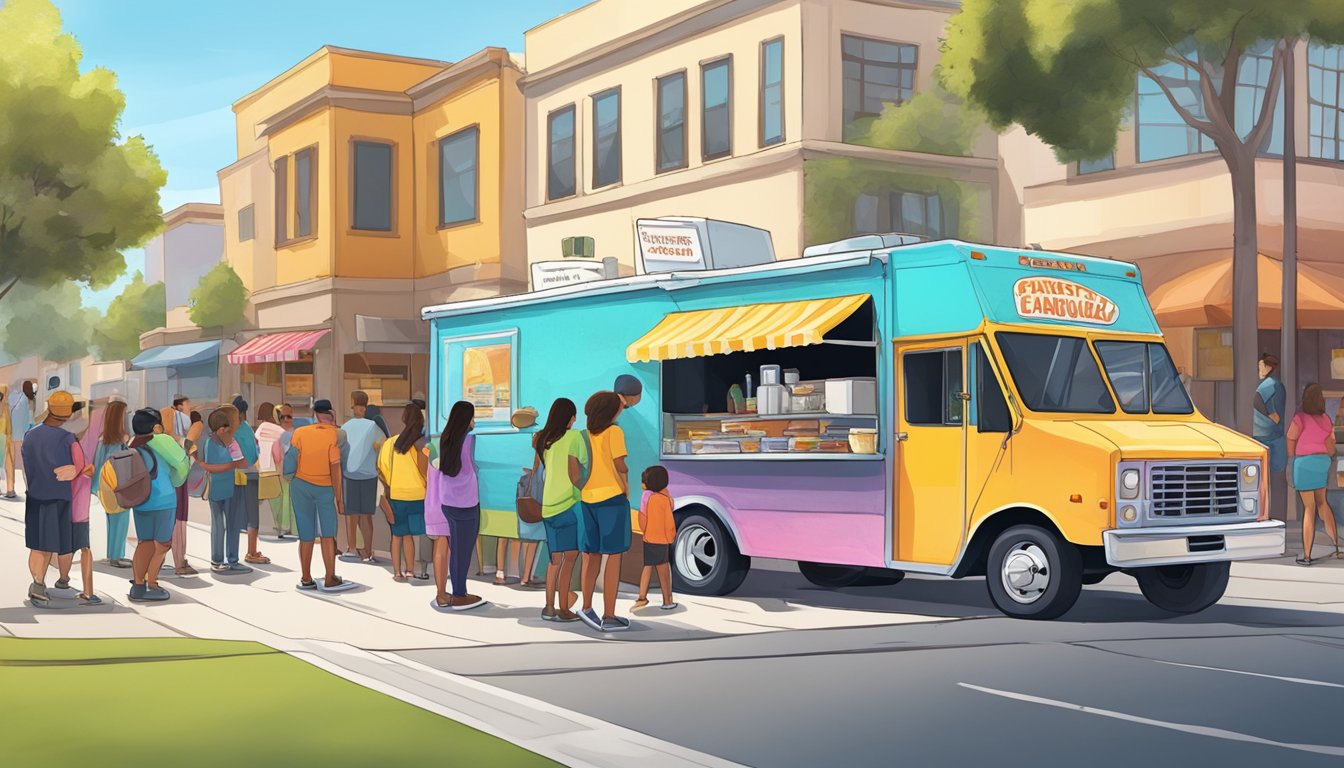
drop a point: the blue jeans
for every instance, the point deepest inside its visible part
(118, 526)
(225, 524)
(464, 523)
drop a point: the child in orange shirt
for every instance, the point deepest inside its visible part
(660, 530)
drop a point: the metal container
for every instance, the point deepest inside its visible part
(791, 376)
(772, 399)
(769, 375)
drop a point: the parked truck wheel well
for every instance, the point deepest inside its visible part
(977, 551)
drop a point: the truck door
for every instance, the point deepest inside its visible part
(929, 520)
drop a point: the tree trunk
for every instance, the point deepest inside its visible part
(1289, 356)
(1245, 302)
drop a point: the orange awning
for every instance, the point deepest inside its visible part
(1203, 297)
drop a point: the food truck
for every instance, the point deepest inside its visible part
(877, 407)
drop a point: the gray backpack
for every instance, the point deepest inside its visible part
(135, 479)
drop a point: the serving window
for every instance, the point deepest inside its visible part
(824, 404)
(482, 370)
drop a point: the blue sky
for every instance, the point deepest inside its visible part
(182, 65)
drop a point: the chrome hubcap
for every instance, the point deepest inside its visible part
(1026, 573)
(696, 553)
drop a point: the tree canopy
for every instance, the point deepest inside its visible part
(73, 192)
(220, 299)
(50, 322)
(139, 308)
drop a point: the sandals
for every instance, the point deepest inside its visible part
(399, 578)
(257, 559)
(185, 570)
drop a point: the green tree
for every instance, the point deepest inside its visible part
(139, 308)
(933, 121)
(220, 299)
(50, 322)
(1066, 70)
(73, 192)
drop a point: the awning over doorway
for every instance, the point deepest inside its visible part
(391, 335)
(1203, 297)
(176, 355)
(743, 329)
(277, 347)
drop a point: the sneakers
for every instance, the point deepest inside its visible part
(591, 618)
(62, 584)
(614, 624)
(122, 562)
(668, 607)
(563, 617)
(37, 592)
(237, 569)
(142, 593)
(219, 567)
(467, 602)
(90, 599)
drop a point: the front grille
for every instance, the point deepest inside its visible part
(1186, 490)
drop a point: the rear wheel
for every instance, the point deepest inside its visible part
(830, 576)
(1033, 574)
(1184, 588)
(705, 559)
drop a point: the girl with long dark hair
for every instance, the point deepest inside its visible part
(113, 439)
(403, 467)
(561, 450)
(606, 511)
(456, 492)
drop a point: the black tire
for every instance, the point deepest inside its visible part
(829, 576)
(1184, 588)
(705, 559)
(1095, 577)
(1050, 568)
(880, 577)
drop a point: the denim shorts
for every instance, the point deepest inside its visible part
(314, 509)
(408, 517)
(606, 527)
(562, 531)
(155, 525)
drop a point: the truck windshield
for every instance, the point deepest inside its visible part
(1055, 374)
(1143, 375)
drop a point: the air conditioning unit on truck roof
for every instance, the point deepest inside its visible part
(863, 243)
(687, 243)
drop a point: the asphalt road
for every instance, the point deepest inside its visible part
(1116, 682)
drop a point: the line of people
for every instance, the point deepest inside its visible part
(324, 474)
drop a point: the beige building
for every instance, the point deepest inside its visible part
(1163, 200)
(760, 112)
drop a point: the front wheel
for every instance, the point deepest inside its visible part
(1184, 588)
(1033, 574)
(705, 559)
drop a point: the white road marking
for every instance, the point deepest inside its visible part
(1197, 730)
(1298, 680)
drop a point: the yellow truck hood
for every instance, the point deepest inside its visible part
(1173, 439)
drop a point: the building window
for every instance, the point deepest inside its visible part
(1161, 131)
(716, 136)
(305, 183)
(281, 200)
(247, 227)
(772, 92)
(560, 160)
(1325, 100)
(607, 138)
(876, 73)
(459, 160)
(1252, 85)
(672, 122)
(373, 186)
(1213, 355)
(1106, 163)
(910, 213)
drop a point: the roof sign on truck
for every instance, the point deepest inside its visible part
(1050, 298)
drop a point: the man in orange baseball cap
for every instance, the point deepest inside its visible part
(52, 458)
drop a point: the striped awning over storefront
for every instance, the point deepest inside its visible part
(277, 347)
(743, 329)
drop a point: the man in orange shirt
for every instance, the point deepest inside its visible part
(660, 530)
(316, 494)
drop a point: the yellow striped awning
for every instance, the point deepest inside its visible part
(743, 329)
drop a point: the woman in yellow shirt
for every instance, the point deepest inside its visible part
(606, 511)
(402, 467)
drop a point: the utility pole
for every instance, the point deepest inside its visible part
(1289, 345)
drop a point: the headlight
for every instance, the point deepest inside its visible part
(1249, 474)
(1129, 484)
(1129, 514)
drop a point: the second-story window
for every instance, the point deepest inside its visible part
(459, 159)
(772, 92)
(1325, 82)
(560, 158)
(373, 186)
(281, 199)
(607, 138)
(671, 122)
(305, 192)
(876, 73)
(716, 137)
(247, 228)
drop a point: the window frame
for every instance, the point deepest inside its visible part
(281, 172)
(250, 210)
(551, 117)
(451, 375)
(614, 91)
(863, 63)
(658, 122)
(439, 143)
(1090, 351)
(942, 353)
(1324, 108)
(725, 61)
(980, 349)
(354, 227)
(311, 152)
(1191, 80)
(761, 139)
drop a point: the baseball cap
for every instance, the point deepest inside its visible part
(322, 406)
(61, 405)
(627, 386)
